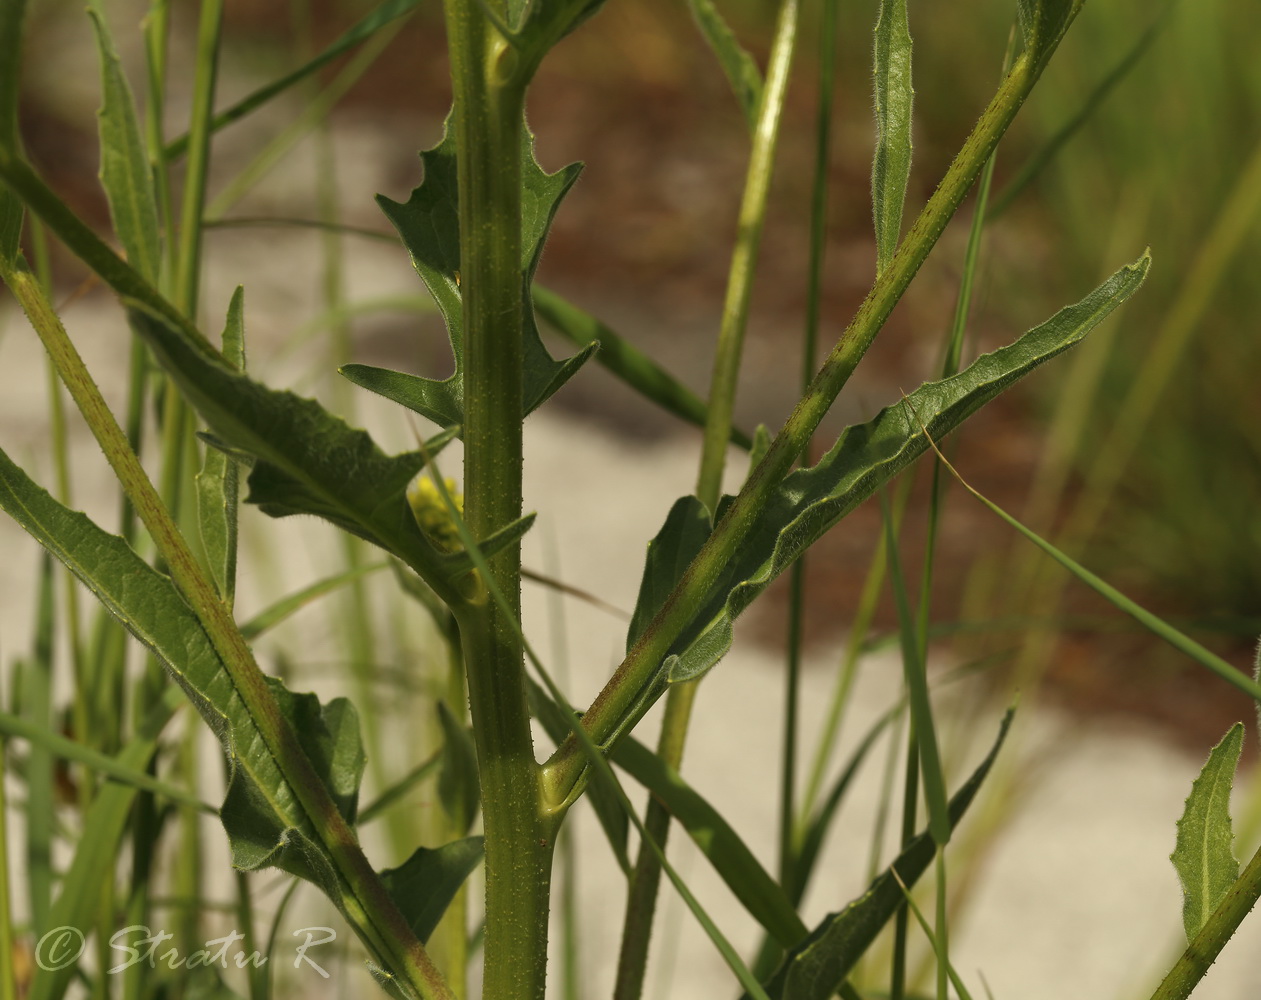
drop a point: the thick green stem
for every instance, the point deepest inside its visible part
(488, 121)
(622, 700)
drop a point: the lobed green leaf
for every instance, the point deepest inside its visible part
(307, 461)
(1203, 855)
(428, 223)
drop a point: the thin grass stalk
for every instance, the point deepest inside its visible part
(950, 366)
(8, 983)
(788, 845)
(309, 118)
(571, 980)
(646, 878)
(81, 704)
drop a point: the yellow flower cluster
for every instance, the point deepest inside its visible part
(431, 513)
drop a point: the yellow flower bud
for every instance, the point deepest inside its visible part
(431, 513)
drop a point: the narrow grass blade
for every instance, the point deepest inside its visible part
(932, 939)
(1047, 152)
(274, 614)
(125, 172)
(1204, 857)
(626, 361)
(400, 788)
(891, 169)
(112, 766)
(8, 984)
(760, 894)
(916, 674)
(738, 66)
(1157, 626)
(816, 832)
(364, 28)
(96, 855)
(817, 967)
(424, 885)
(39, 708)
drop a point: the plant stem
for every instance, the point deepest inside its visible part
(646, 878)
(621, 702)
(489, 95)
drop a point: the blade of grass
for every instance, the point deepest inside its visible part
(8, 983)
(64, 748)
(932, 940)
(95, 855)
(1047, 152)
(39, 710)
(314, 112)
(1151, 622)
(363, 29)
(809, 352)
(400, 788)
(274, 614)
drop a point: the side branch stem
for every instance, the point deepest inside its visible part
(636, 683)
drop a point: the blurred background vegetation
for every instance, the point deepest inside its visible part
(1140, 454)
